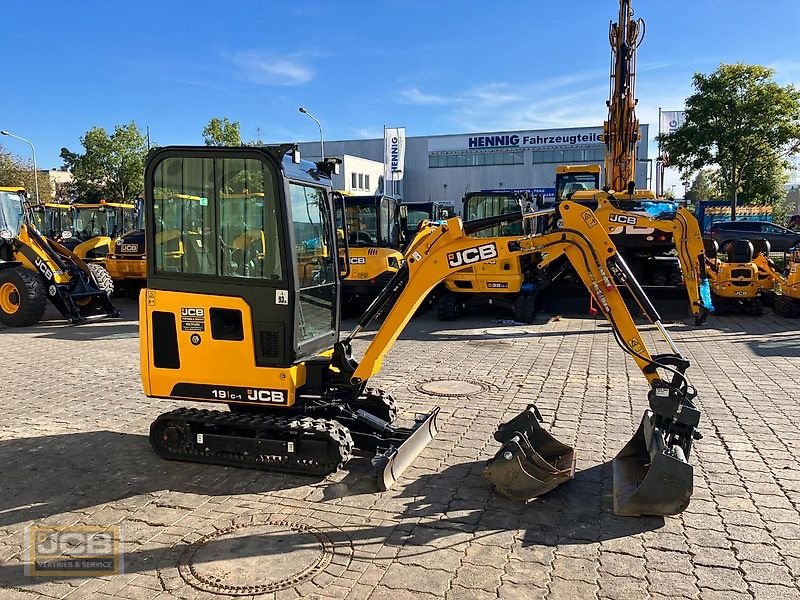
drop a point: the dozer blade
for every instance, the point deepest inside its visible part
(650, 477)
(531, 462)
(392, 462)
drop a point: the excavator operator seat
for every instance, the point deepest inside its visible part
(711, 248)
(740, 251)
(761, 246)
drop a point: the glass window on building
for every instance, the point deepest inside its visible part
(353, 180)
(366, 181)
(361, 181)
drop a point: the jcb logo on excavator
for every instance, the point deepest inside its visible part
(42, 266)
(623, 219)
(272, 396)
(358, 260)
(472, 255)
(193, 312)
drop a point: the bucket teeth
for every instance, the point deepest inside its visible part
(650, 476)
(531, 462)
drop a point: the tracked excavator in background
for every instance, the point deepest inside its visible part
(268, 342)
(633, 216)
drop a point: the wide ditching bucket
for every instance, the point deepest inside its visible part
(531, 462)
(651, 477)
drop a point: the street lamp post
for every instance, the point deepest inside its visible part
(35, 168)
(321, 142)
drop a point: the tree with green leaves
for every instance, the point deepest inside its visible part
(17, 172)
(704, 187)
(222, 132)
(111, 166)
(738, 120)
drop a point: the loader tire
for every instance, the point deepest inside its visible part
(102, 277)
(525, 308)
(23, 297)
(448, 307)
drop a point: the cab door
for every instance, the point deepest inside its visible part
(316, 267)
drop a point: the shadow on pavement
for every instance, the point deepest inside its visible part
(54, 474)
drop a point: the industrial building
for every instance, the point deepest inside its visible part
(445, 167)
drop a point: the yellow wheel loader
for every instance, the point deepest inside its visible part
(34, 268)
(268, 342)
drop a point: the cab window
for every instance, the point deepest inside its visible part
(216, 217)
(311, 221)
(479, 207)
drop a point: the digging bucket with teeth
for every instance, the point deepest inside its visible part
(531, 462)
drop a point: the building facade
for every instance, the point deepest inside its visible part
(445, 167)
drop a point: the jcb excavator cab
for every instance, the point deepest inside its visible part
(412, 214)
(734, 279)
(34, 268)
(374, 241)
(510, 284)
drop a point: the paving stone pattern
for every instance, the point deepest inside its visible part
(73, 450)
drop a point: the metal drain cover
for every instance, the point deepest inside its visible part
(451, 387)
(256, 558)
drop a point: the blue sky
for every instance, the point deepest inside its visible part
(431, 66)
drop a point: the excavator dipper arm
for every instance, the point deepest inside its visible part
(651, 474)
(688, 241)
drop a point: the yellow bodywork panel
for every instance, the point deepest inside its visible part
(210, 370)
(369, 263)
(492, 276)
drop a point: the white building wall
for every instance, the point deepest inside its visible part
(421, 182)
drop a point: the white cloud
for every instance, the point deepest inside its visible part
(265, 69)
(414, 96)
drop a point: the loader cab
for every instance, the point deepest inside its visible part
(413, 213)
(576, 178)
(479, 205)
(243, 249)
(12, 216)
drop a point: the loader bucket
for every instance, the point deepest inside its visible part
(531, 462)
(392, 462)
(650, 477)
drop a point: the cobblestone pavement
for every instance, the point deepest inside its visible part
(73, 450)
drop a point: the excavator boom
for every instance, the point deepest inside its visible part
(652, 473)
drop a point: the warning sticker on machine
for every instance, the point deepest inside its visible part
(193, 319)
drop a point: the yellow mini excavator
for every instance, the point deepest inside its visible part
(786, 302)
(267, 342)
(34, 268)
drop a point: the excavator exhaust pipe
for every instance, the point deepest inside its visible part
(651, 477)
(391, 463)
(531, 462)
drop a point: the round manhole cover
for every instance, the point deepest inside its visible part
(451, 387)
(256, 558)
